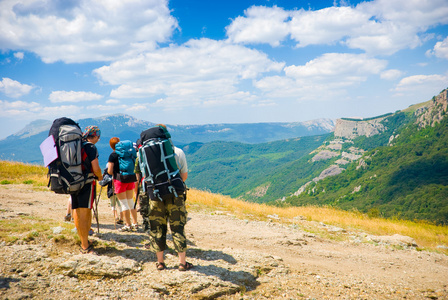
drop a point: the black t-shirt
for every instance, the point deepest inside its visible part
(113, 158)
(92, 153)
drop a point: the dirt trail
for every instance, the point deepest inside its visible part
(311, 266)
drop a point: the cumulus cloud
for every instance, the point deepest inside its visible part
(377, 27)
(426, 82)
(84, 31)
(440, 49)
(336, 65)
(14, 89)
(324, 77)
(71, 96)
(261, 25)
(194, 73)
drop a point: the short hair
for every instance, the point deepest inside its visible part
(113, 141)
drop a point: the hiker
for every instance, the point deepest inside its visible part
(143, 199)
(123, 187)
(82, 203)
(167, 207)
(118, 216)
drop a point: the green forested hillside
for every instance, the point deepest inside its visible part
(407, 179)
(401, 171)
(246, 170)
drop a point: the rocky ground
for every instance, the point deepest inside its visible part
(233, 258)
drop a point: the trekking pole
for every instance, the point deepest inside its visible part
(97, 200)
(136, 196)
(115, 210)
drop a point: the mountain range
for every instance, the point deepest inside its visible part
(23, 146)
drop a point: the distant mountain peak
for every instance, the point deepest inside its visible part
(33, 128)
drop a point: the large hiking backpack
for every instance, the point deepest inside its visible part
(70, 171)
(126, 160)
(158, 165)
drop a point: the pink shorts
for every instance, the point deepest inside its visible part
(120, 187)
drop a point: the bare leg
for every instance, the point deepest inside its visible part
(83, 220)
(182, 257)
(126, 213)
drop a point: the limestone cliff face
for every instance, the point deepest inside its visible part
(351, 129)
(434, 111)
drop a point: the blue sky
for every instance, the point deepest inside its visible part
(199, 62)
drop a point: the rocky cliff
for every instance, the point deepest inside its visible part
(434, 111)
(352, 128)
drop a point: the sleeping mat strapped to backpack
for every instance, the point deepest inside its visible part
(158, 165)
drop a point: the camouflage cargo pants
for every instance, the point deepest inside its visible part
(144, 210)
(173, 209)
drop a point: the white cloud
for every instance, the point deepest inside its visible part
(112, 101)
(19, 55)
(32, 110)
(261, 25)
(71, 96)
(421, 83)
(391, 74)
(84, 31)
(377, 27)
(14, 89)
(325, 26)
(198, 72)
(326, 77)
(335, 65)
(440, 49)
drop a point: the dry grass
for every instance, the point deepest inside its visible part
(426, 235)
(28, 228)
(15, 173)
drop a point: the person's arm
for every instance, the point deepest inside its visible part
(96, 169)
(184, 176)
(110, 168)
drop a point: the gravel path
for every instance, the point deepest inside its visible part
(233, 258)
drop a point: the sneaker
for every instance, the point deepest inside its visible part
(68, 218)
(120, 222)
(91, 232)
(125, 228)
(134, 227)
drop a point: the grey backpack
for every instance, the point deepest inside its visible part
(71, 170)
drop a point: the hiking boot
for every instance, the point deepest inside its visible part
(68, 218)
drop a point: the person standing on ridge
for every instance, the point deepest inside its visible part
(168, 207)
(82, 203)
(123, 188)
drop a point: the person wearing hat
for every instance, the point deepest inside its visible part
(82, 203)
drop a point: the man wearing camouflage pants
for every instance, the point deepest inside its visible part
(171, 208)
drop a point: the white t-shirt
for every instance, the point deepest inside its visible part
(181, 160)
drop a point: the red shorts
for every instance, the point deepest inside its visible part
(120, 187)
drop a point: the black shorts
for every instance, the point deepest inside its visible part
(85, 198)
